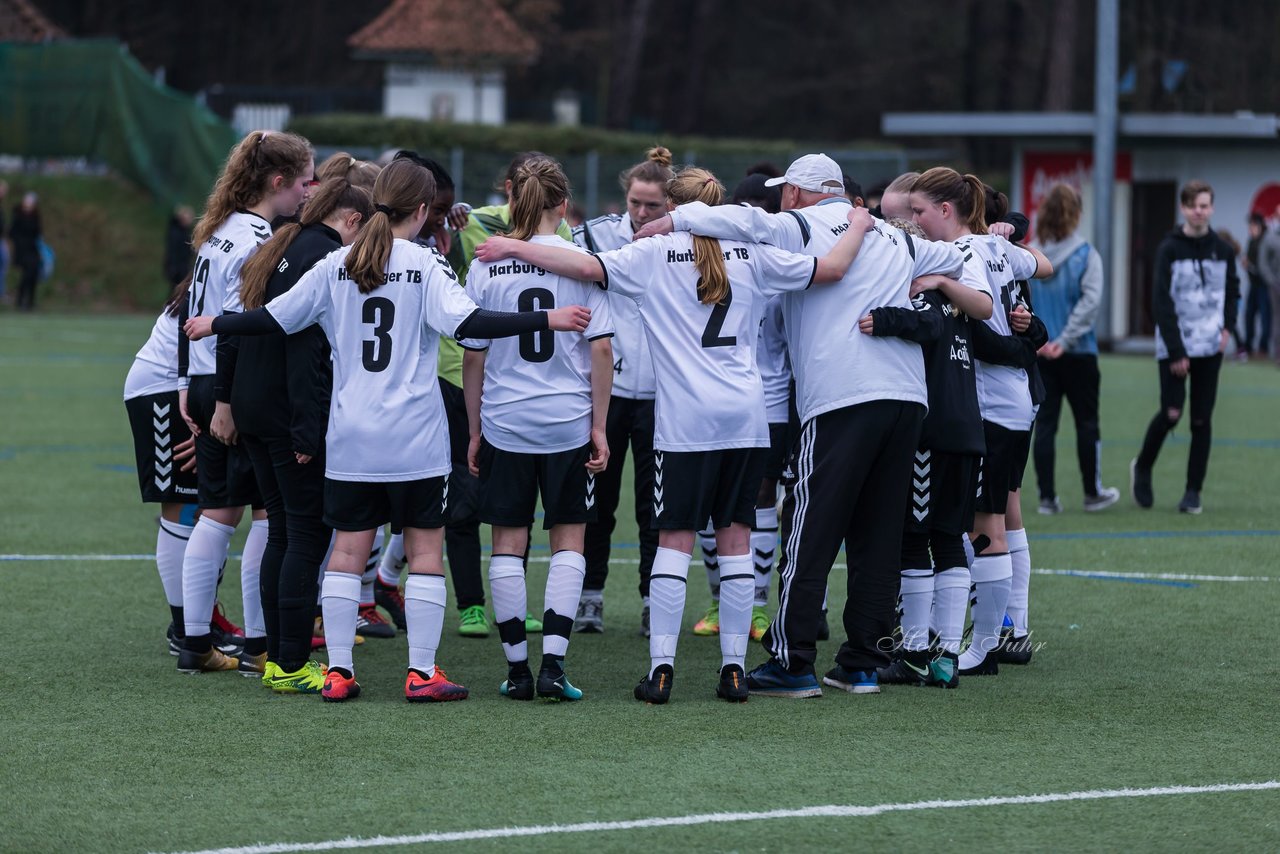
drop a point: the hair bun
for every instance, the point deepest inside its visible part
(659, 154)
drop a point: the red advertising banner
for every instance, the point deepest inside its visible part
(1042, 169)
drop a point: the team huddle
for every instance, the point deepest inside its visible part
(354, 351)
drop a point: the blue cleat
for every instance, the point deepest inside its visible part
(771, 679)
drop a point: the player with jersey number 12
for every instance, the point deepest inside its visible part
(700, 301)
(383, 303)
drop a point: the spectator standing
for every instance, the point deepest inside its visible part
(177, 245)
(1257, 304)
(24, 234)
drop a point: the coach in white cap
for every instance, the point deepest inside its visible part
(861, 400)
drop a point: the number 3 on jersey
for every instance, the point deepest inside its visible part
(381, 312)
(537, 346)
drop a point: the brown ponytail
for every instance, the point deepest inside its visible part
(246, 177)
(654, 169)
(966, 193)
(698, 185)
(335, 194)
(361, 173)
(538, 185)
(400, 190)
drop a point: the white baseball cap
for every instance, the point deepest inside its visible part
(816, 173)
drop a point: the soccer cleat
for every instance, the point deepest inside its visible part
(911, 669)
(473, 622)
(212, 660)
(269, 672)
(532, 625)
(1140, 484)
(1014, 650)
(644, 621)
(227, 636)
(824, 628)
(733, 684)
(317, 636)
(590, 617)
(175, 642)
(307, 679)
(1052, 506)
(554, 685)
(709, 625)
(989, 666)
(389, 598)
(371, 624)
(853, 681)
(1104, 499)
(438, 689)
(1190, 503)
(339, 685)
(252, 666)
(944, 671)
(519, 682)
(771, 679)
(655, 689)
(759, 622)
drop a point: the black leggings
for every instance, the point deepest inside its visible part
(462, 527)
(1173, 395)
(297, 540)
(1076, 378)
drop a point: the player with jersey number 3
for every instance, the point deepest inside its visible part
(383, 303)
(701, 301)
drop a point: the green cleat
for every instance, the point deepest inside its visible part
(759, 622)
(270, 670)
(307, 679)
(473, 622)
(554, 685)
(710, 623)
(532, 625)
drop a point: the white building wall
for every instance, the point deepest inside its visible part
(422, 92)
(1236, 174)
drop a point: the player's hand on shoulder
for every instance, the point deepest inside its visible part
(496, 248)
(661, 225)
(1001, 229)
(599, 459)
(925, 283)
(862, 218)
(458, 216)
(569, 318)
(198, 327)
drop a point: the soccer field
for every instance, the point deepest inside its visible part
(1147, 719)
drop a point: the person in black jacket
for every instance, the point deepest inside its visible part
(281, 400)
(1195, 302)
(24, 234)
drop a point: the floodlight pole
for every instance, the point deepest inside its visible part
(1105, 112)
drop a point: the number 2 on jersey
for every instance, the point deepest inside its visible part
(537, 346)
(711, 334)
(381, 312)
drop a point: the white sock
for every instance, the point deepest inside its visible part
(710, 559)
(737, 590)
(255, 625)
(916, 598)
(392, 561)
(991, 579)
(950, 599)
(564, 588)
(203, 559)
(424, 599)
(371, 568)
(667, 588)
(1020, 591)
(340, 599)
(171, 545)
(510, 604)
(764, 542)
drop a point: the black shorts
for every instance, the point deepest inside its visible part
(510, 483)
(157, 427)
(362, 505)
(1002, 466)
(690, 487)
(781, 440)
(224, 472)
(944, 492)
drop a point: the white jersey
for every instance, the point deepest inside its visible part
(155, 368)
(710, 396)
(537, 386)
(632, 364)
(835, 364)
(1004, 393)
(386, 420)
(774, 364)
(215, 280)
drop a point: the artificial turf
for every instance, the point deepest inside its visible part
(1137, 682)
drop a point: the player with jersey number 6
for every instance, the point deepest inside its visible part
(383, 303)
(536, 408)
(701, 302)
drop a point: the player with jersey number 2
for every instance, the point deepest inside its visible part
(536, 408)
(383, 302)
(700, 301)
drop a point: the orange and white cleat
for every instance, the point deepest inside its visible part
(437, 689)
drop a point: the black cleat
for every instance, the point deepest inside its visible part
(389, 598)
(554, 685)
(656, 689)
(1014, 650)
(733, 684)
(911, 669)
(1140, 485)
(175, 642)
(519, 682)
(989, 666)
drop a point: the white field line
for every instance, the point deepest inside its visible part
(829, 811)
(630, 561)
